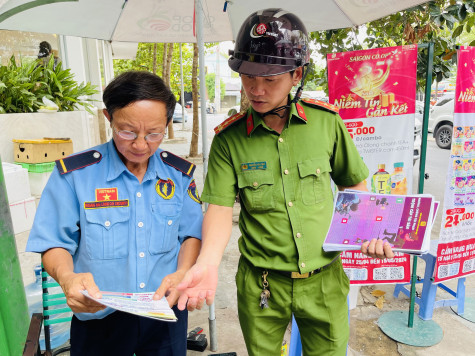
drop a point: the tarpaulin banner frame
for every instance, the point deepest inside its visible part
(375, 91)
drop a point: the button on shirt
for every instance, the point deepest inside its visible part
(283, 183)
(127, 248)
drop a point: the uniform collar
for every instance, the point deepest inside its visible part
(117, 167)
(254, 119)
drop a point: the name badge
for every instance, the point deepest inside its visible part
(253, 166)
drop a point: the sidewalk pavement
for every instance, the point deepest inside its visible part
(366, 338)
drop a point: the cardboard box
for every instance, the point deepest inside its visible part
(41, 150)
(23, 213)
(16, 182)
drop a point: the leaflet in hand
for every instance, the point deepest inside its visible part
(136, 303)
(404, 221)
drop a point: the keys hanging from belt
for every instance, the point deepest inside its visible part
(265, 295)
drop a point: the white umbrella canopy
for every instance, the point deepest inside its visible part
(173, 21)
(318, 15)
(117, 20)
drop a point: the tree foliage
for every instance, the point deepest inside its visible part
(145, 60)
(211, 84)
(441, 22)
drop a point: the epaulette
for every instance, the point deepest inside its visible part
(75, 162)
(178, 163)
(228, 122)
(321, 105)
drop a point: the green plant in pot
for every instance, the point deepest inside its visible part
(23, 87)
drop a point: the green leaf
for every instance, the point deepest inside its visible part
(457, 31)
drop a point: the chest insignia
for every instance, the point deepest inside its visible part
(105, 194)
(193, 192)
(165, 188)
(106, 204)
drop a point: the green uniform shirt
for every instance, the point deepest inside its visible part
(283, 183)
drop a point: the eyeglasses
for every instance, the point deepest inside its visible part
(130, 136)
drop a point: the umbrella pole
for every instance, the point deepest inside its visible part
(399, 325)
(204, 130)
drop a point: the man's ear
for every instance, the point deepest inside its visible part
(106, 114)
(297, 75)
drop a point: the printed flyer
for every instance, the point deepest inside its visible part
(137, 303)
(456, 249)
(404, 222)
(375, 91)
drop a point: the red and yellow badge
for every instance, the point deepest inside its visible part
(165, 188)
(193, 192)
(105, 194)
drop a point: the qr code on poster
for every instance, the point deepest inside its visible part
(356, 274)
(448, 270)
(388, 273)
(468, 265)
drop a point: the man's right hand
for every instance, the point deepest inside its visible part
(72, 285)
(198, 285)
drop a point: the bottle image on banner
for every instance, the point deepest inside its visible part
(379, 181)
(397, 181)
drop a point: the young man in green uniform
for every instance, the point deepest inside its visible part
(279, 157)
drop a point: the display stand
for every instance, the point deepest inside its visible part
(398, 325)
(468, 310)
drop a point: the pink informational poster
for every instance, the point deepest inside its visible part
(376, 91)
(456, 249)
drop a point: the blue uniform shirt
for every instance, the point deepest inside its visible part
(129, 247)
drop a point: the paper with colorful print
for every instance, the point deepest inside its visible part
(141, 304)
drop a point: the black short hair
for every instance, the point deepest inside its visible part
(45, 49)
(133, 86)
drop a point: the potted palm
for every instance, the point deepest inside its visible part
(24, 89)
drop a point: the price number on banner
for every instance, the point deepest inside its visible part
(457, 216)
(356, 128)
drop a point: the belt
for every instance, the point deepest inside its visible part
(304, 275)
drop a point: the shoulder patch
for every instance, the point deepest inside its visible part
(321, 105)
(75, 162)
(228, 122)
(178, 163)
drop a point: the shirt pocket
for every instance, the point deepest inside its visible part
(314, 180)
(165, 224)
(257, 190)
(107, 233)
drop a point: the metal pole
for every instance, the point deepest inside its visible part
(213, 340)
(217, 82)
(14, 320)
(182, 93)
(422, 165)
(201, 62)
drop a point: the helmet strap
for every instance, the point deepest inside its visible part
(296, 98)
(302, 83)
(277, 111)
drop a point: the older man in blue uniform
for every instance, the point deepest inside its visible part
(124, 216)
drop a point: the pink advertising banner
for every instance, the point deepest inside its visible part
(456, 249)
(375, 91)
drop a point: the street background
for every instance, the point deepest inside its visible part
(366, 339)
